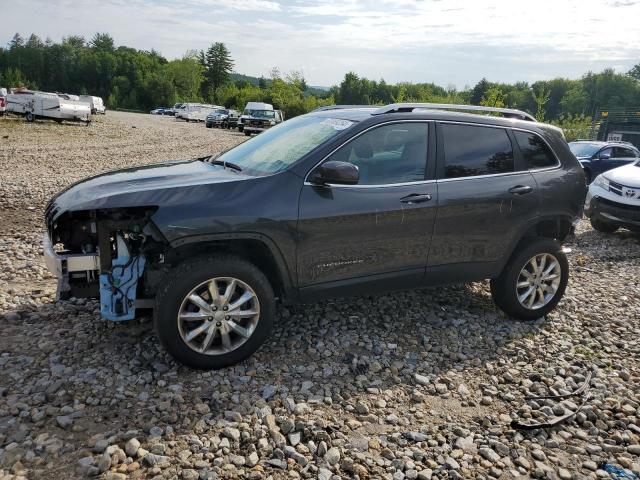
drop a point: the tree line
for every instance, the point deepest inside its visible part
(136, 79)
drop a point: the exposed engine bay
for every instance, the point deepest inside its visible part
(104, 254)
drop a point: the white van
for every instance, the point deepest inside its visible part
(33, 104)
(249, 108)
(95, 103)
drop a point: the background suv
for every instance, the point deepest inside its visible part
(598, 157)
(341, 201)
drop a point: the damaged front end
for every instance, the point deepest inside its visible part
(103, 254)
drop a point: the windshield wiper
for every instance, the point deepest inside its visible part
(225, 164)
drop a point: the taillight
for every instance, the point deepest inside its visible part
(2, 101)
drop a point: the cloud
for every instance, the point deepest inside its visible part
(457, 41)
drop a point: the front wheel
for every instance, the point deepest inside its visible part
(603, 225)
(214, 312)
(30, 117)
(533, 282)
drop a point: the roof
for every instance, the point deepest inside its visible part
(431, 111)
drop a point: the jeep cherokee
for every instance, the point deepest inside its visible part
(341, 201)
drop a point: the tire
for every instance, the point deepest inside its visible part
(603, 225)
(504, 288)
(30, 117)
(248, 134)
(208, 125)
(587, 176)
(240, 128)
(192, 276)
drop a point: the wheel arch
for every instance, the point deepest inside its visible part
(556, 227)
(258, 249)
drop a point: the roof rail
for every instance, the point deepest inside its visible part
(409, 107)
(340, 107)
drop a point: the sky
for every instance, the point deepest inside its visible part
(449, 42)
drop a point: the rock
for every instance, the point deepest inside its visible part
(269, 391)
(131, 447)
(115, 476)
(415, 436)
(231, 433)
(489, 454)
(189, 474)
(421, 379)
(332, 456)
(252, 459)
(64, 421)
(324, 474)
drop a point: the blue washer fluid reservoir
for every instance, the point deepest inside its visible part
(118, 289)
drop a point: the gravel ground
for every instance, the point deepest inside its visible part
(421, 384)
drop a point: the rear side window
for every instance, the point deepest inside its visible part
(621, 152)
(474, 150)
(535, 152)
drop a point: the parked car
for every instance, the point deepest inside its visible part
(260, 120)
(3, 100)
(161, 111)
(332, 203)
(95, 103)
(613, 200)
(598, 157)
(249, 108)
(223, 118)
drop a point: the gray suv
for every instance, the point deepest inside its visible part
(341, 201)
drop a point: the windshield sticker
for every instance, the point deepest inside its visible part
(336, 123)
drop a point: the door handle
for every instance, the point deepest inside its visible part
(521, 189)
(416, 198)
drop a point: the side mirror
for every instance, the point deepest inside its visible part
(342, 173)
(604, 156)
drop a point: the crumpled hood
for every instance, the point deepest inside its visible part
(629, 175)
(138, 182)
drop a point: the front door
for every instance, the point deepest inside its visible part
(483, 200)
(379, 229)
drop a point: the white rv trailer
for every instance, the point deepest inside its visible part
(33, 104)
(192, 111)
(95, 103)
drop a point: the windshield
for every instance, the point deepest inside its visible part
(264, 113)
(584, 149)
(220, 110)
(282, 146)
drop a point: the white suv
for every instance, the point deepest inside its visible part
(613, 200)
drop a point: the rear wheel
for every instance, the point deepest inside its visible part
(603, 226)
(533, 281)
(30, 117)
(248, 134)
(214, 312)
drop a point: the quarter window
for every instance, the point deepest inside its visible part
(395, 153)
(475, 150)
(536, 153)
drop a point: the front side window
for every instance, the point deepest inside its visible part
(536, 153)
(471, 150)
(395, 153)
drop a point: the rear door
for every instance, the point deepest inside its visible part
(379, 229)
(622, 156)
(485, 197)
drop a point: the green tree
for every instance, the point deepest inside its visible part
(218, 64)
(540, 97)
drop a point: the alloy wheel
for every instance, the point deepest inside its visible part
(538, 281)
(218, 316)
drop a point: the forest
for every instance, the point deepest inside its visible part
(127, 78)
